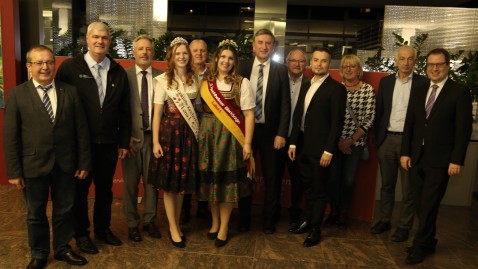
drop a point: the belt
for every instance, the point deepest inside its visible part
(394, 133)
(147, 132)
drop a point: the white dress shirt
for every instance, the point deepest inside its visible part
(265, 77)
(51, 94)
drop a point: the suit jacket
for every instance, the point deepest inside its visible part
(324, 118)
(383, 107)
(33, 144)
(446, 132)
(135, 103)
(277, 99)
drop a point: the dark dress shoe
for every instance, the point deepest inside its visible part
(313, 238)
(134, 234)
(417, 256)
(293, 226)
(152, 230)
(184, 218)
(72, 258)
(400, 235)
(180, 244)
(220, 243)
(108, 237)
(426, 249)
(380, 227)
(303, 228)
(37, 263)
(212, 236)
(85, 245)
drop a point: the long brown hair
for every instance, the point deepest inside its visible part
(214, 72)
(171, 66)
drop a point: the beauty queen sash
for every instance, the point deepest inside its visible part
(185, 107)
(227, 115)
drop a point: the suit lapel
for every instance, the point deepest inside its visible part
(442, 96)
(60, 98)
(36, 100)
(322, 86)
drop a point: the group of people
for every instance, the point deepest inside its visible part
(194, 129)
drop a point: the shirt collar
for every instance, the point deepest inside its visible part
(92, 63)
(36, 84)
(313, 80)
(410, 77)
(266, 63)
(138, 70)
(440, 84)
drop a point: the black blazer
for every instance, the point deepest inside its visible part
(277, 100)
(33, 144)
(324, 118)
(383, 106)
(446, 132)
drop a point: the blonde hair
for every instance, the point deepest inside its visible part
(351, 58)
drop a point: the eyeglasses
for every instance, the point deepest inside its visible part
(437, 65)
(349, 66)
(297, 61)
(40, 64)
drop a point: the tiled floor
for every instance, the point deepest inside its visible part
(352, 248)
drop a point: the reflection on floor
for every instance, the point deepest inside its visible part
(352, 248)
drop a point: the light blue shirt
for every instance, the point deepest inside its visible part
(401, 96)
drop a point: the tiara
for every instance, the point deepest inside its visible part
(228, 42)
(178, 40)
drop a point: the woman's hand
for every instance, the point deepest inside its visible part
(157, 150)
(246, 151)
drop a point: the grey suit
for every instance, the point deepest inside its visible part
(46, 155)
(136, 166)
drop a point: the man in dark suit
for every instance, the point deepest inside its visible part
(136, 164)
(269, 80)
(104, 91)
(317, 126)
(295, 61)
(435, 139)
(47, 146)
(391, 109)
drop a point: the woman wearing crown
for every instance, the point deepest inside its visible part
(175, 132)
(225, 135)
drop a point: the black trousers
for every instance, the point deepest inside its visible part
(272, 171)
(61, 185)
(104, 159)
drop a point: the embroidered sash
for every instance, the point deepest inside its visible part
(227, 115)
(185, 107)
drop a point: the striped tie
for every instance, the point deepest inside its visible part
(431, 100)
(260, 77)
(99, 83)
(47, 102)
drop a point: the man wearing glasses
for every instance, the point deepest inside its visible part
(436, 134)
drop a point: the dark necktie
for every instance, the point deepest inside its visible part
(260, 78)
(99, 82)
(144, 100)
(47, 102)
(431, 100)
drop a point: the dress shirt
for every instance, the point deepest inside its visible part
(294, 95)
(401, 96)
(440, 87)
(105, 66)
(149, 77)
(51, 94)
(265, 78)
(314, 86)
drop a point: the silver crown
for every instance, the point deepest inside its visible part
(178, 40)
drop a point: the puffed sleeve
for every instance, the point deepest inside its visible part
(160, 89)
(247, 95)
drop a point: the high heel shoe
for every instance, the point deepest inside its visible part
(179, 244)
(220, 243)
(212, 236)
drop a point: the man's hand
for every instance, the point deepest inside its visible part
(19, 182)
(405, 162)
(279, 142)
(454, 169)
(291, 153)
(81, 174)
(122, 153)
(132, 147)
(325, 159)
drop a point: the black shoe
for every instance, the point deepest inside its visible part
(72, 258)
(134, 234)
(152, 230)
(220, 243)
(293, 226)
(212, 236)
(303, 228)
(380, 227)
(184, 218)
(400, 235)
(426, 249)
(180, 244)
(108, 237)
(313, 238)
(417, 256)
(85, 245)
(37, 263)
